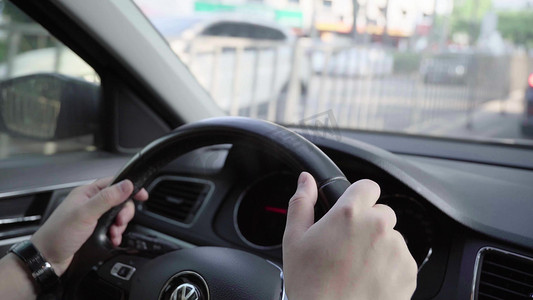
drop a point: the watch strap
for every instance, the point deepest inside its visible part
(41, 270)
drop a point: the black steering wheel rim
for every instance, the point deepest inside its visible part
(296, 151)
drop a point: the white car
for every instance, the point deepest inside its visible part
(352, 61)
(243, 63)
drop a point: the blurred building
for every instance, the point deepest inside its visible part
(396, 19)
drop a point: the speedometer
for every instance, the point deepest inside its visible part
(415, 225)
(261, 211)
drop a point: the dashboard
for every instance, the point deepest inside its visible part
(244, 206)
(467, 224)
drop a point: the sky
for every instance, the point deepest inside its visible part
(512, 4)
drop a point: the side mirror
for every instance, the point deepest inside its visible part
(48, 107)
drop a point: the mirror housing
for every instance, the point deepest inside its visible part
(48, 107)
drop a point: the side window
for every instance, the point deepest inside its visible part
(49, 96)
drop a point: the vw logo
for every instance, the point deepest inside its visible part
(186, 285)
(185, 291)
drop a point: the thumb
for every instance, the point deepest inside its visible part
(301, 212)
(109, 197)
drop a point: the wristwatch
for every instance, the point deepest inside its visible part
(41, 270)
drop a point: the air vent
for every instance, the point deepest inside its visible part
(22, 214)
(504, 275)
(177, 198)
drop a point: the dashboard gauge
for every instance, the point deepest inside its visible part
(415, 224)
(261, 211)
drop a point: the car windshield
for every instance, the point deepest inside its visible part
(174, 27)
(443, 68)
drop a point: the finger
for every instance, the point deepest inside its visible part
(102, 183)
(361, 194)
(108, 198)
(126, 214)
(401, 241)
(117, 230)
(386, 213)
(142, 195)
(90, 190)
(116, 240)
(301, 212)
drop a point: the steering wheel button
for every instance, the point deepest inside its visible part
(141, 245)
(122, 271)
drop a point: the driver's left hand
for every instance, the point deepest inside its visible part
(74, 220)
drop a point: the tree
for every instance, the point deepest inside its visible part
(467, 15)
(517, 26)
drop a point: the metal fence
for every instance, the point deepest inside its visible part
(15, 35)
(366, 87)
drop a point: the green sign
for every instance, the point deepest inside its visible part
(286, 17)
(292, 18)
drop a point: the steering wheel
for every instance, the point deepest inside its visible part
(209, 272)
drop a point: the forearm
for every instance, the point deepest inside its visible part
(15, 280)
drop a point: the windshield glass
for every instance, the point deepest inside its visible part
(444, 68)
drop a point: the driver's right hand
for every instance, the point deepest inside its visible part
(353, 252)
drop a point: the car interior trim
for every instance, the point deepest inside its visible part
(14, 240)
(282, 295)
(20, 219)
(487, 152)
(426, 259)
(48, 188)
(477, 264)
(154, 183)
(151, 232)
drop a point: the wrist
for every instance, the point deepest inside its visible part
(41, 271)
(19, 274)
(48, 254)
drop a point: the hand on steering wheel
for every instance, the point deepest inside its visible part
(74, 220)
(354, 240)
(353, 252)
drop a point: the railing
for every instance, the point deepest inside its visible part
(365, 87)
(15, 33)
(245, 77)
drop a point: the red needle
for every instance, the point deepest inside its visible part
(277, 210)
